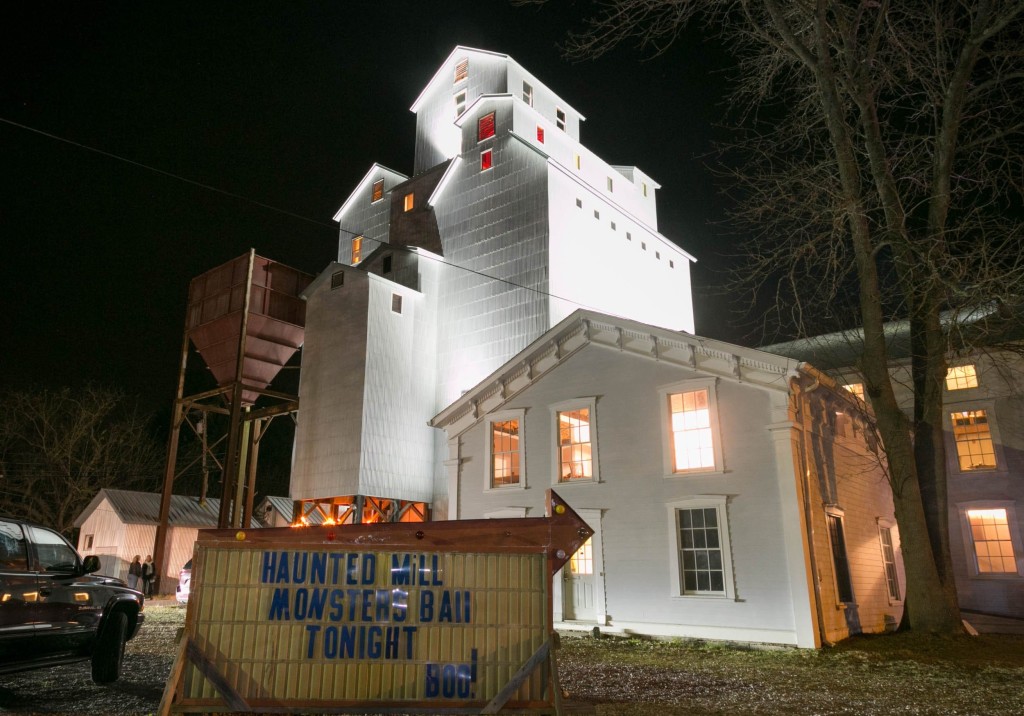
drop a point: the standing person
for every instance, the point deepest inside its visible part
(148, 573)
(135, 572)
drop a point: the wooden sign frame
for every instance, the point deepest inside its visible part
(428, 617)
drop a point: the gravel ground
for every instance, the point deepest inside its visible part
(903, 674)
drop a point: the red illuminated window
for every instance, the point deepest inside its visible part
(486, 160)
(485, 127)
(540, 134)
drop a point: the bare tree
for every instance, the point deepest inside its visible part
(881, 181)
(58, 448)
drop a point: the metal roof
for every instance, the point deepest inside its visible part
(144, 508)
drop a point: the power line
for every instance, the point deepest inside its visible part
(285, 212)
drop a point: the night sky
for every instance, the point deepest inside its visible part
(144, 143)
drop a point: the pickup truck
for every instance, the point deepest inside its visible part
(55, 610)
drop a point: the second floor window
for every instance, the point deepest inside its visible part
(528, 93)
(409, 202)
(377, 193)
(973, 438)
(505, 453)
(560, 119)
(575, 452)
(692, 437)
(460, 103)
(357, 250)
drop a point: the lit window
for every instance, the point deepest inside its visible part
(643, 186)
(856, 388)
(485, 127)
(611, 185)
(527, 93)
(701, 563)
(575, 455)
(486, 160)
(693, 445)
(377, 193)
(357, 250)
(540, 134)
(410, 201)
(560, 119)
(396, 303)
(973, 439)
(460, 103)
(892, 579)
(461, 70)
(582, 561)
(576, 161)
(960, 377)
(505, 453)
(837, 540)
(993, 547)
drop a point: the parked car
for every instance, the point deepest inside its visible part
(54, 610)
(184, 583)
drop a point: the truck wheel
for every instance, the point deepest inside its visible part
(109, 650)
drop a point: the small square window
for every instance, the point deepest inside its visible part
(409, 202)
(629, 236)
(643, 245)
(377, 193)
(357, 249)
(560, 119)
(396, 303)
(671, 263)
(88, 541)
(657, 255)
(338, 279)
(385, 266)
(486, 160)
(461, 70)
(597, 214)
(485, 127)
(528, 93)
(460, 103)
(579, 203)
(611, 185)
(540, 134)
(613, 226)
(960, 377)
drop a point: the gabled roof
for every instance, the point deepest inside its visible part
(583, 328)
(364, 183)
(144, 508)
(440, 76)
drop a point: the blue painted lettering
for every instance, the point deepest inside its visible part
(279, 605)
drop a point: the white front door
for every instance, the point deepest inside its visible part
(578, 585)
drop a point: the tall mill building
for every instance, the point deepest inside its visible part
(508, 225)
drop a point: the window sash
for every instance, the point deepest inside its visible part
(961, 377)
(844, 587)
(701, 562)
(377, 192)
(972, 436)
(892, 579)
(357, 250)
(575, 450)
(505, 453)
(993, 544)
(693, 445)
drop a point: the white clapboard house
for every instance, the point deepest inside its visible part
(734, 494)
